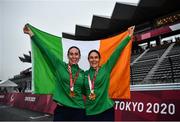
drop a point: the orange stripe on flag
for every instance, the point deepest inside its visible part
(120, 75)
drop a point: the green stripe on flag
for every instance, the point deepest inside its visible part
(44, 74)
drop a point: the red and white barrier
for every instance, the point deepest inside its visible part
(143, 105)
(41, 103)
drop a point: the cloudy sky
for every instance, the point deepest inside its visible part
(52, 16)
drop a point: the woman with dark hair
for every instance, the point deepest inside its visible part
(69, 82)
(99, 106)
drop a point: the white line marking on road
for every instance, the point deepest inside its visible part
(37, 117)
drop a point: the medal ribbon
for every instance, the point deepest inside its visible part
(91, 82)
(72, 80)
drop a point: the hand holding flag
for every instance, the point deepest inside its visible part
(27, 30)
(131, 30)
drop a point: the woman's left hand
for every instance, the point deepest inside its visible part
(131, 30)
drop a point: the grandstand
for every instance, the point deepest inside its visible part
(169, 69)
(159, 64)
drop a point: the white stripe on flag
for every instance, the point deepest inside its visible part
(84, 46)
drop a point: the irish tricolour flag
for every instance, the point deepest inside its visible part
(43, 77)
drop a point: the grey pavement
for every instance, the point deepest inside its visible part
(10, 113)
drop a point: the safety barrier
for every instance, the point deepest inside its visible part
(154, 105)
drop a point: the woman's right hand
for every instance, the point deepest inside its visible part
(27, 30)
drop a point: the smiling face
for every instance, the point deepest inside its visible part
(94, 59)
(73, 55)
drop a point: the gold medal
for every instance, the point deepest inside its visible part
(92, 96)
(72, 94)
